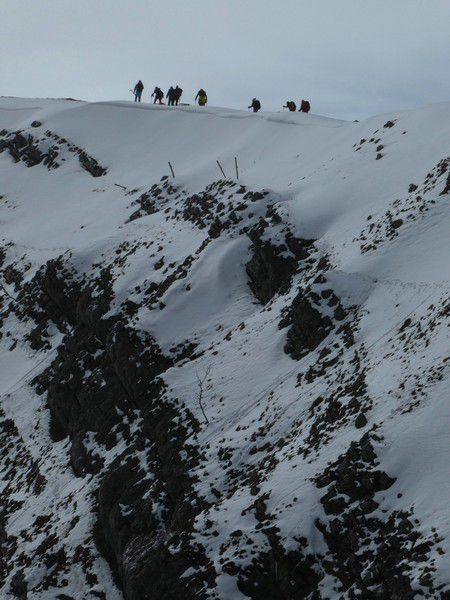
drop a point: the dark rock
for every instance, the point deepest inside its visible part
(90, 165)
(309, 328)
(269, 271)
(360, 421)
(446, 189)
(352, 481)
(124, 366)
(397, 223)
(19, 587)
(406, 323)
(276, 574)
(300, 248)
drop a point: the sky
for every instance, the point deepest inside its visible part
(350, 58)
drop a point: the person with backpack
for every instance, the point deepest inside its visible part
(290, 104)
(177, 94)
(202, 97)
(138, 89)
(171, 96)
(305, 106)
(256, 105)
(158, 94)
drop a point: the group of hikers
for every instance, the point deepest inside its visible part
(305, 106)
(174, 95)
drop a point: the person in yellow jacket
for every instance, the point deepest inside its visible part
(202, 97)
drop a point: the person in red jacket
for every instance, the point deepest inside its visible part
(305, 106)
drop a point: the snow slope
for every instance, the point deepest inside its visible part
(242, 391)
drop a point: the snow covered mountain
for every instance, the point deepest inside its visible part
(222, 388)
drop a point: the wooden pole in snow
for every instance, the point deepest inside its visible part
(173, 174)
(220, 167)
(236, 165)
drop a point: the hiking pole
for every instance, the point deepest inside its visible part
(236, 165)
(220, 167)
(170, 165)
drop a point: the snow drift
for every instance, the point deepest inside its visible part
(221, 388)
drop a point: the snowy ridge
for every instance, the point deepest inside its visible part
(215, 388)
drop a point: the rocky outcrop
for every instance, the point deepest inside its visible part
(46, 150)
(379, 570)
(91, 165)
(275, 574)
(269, 271)
(105, 377)
(25, 149)
(309, 328)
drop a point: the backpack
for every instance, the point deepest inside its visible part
(291, 106)
(257, 105)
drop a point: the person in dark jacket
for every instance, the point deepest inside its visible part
(290, 104)
(158, 94)
(171, 96)
(305, 106)
(138, 89)
(202, 97)
(256, 105)
(178, 93)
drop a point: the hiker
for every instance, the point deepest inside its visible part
(159, 95)
(202, 97)
(138, 88)
(171, 96)
(290, 105)
(305, 106)
(178, 93)
(256, 105)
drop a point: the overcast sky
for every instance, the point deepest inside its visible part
(350, 58)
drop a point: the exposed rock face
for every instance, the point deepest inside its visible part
(269, 271)
(34, 151)
(276, 574)
(309, 328)
(136, 542)
(354, 483)
(124, 366)
(90, 165)
(406, 210)
(23, 148)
